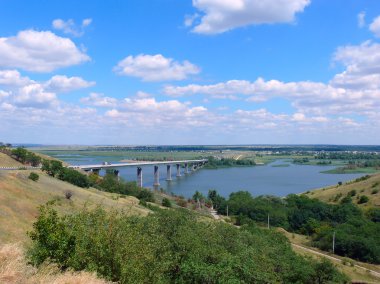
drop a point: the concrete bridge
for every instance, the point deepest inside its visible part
(193, 164)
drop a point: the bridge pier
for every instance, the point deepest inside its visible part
(156, 176)
(95, 171)
(168, 172)
(178, 170)
(139, 177)
(186, 168)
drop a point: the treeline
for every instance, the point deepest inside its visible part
(357, 232)
(111, 183)
(227, 162)
(170, 246)
(21, 154)
(347, 156)
(56, 169)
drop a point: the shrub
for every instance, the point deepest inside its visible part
(166, 202)
(34, 176)
(352, 193)
(68, 194)
(170, 246)
(363, 199)
(374, 191)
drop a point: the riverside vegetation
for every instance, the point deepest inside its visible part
(170, 246)
(357, 231)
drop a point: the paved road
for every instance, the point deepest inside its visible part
(373, 272)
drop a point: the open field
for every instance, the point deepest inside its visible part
(369, 187)
(20, 198)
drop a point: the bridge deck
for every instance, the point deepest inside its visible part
(119, 165)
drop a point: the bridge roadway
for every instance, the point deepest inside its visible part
(136, 164)
(195, 164)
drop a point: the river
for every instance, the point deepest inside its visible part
(270, 179)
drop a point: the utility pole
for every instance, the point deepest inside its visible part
(333, 245)
(227, 210)
(268, 220)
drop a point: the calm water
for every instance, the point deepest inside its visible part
(258, 180)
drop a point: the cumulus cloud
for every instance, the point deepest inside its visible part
(361, 19)
(375, 26)
(99, 100)
(12, 78)
(34, 95)
(155, 68)
(362, 63)
(219, 16)
(64, 84)
(39, 51)
(69, 26)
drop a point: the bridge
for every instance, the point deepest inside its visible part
(194, 165)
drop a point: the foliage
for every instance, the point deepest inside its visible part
(315, 218)
(56, 169)
(26, 157)
(33, 176)
(363, 199)
(227, 162)
(170, 246)
(112, 183)
(166, 202)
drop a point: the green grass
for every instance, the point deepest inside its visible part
(344, 170)
(367, 187)
(281, 166)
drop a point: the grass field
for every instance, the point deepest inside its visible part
(369, 187)
(20, 198)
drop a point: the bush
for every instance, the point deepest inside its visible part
(166, 202)
(68, 194)
(363, 199)
(34, 176)
(374, 191)
(170, 246)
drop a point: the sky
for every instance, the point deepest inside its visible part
(148, 72)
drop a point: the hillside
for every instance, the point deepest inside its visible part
(20, 198)
(6, 161)
(369, 187)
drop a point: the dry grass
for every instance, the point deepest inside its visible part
(14, 269)
(366, 187)
(20, 198)
(6, 161)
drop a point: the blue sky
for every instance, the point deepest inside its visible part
(190, 72)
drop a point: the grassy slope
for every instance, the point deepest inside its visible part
(365, 187)
(20, 198)
(6, 161)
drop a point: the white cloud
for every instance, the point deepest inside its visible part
(64, 84)
(361, 19)
(362, 64)
(222, 15)
(12, 78)
(99, 100)
(375, 26)
(39, 51)
(34, 95)
(69, 26)
(155, 68)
